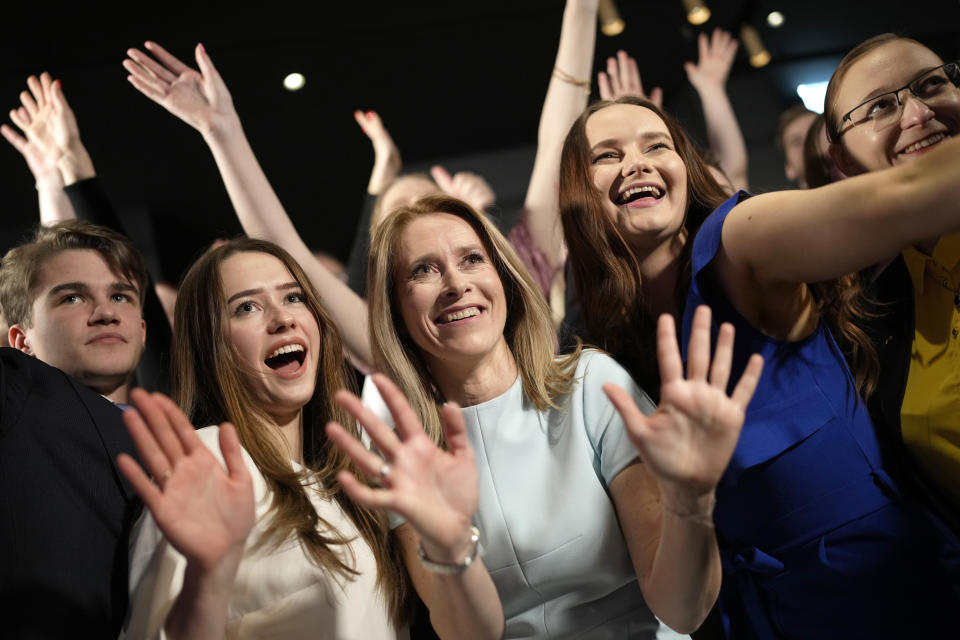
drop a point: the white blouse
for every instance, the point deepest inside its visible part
(278, 593)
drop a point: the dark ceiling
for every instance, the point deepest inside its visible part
(457, 82)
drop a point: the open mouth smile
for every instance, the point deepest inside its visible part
(927, 142)
(287, 359)
(647, 194)
(458, 315)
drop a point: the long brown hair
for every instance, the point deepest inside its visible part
(208, 383)
(528, 330)
(605, 269)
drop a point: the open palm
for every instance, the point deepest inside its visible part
(436, 490)
(204, 509)
(690, 439)
(199, 98)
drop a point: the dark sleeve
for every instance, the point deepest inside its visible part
(357, 264)
(91, 203)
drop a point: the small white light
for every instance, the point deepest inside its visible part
(812, 95)
(294, 82)
(775, 19)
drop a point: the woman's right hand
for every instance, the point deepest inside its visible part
(387, 162)
(204, 510)
(199, 98)
(434, 489)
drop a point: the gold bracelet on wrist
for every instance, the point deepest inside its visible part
(563, 76)
(452, 568)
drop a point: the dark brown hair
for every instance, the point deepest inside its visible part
(605, 269)
(22, 265)
(208, 382)
(786, 118)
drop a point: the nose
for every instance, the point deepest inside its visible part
(635, 162)
(104, 313)
(455, 284)
(915, 111)
(281, 321)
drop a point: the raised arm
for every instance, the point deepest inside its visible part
(665, 503)
(566, 98)
(206, 511)
(387, 162)
(41, 119)
(709, 77)
(436, 491)
(201, 99)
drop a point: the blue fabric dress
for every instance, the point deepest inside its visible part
(815, 539)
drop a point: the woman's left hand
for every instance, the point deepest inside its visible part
(436, 490)
(689, 440)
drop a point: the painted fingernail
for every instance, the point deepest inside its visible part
(202, 48)
(369, 114)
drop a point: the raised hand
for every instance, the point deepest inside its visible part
(386, 156)
(41, 128)
(434, 489)
(623, 79)
(204, 510)
(687, 443)
(199, 98)
(715, 59)
(467, 186)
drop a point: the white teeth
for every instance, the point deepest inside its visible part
(656, 192)
(926, 142)
(289, 348)
(460, 315)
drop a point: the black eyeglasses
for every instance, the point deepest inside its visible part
(932, 88)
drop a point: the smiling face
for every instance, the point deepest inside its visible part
(448, 291)
(641, 178)
(273, 331)
(920, 126)
(85, 320)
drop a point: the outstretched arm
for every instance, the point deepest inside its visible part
(201, 99)
(684, 448)
(206, 511)
(709, 76)
(436, 491)
(566, 98)
(40, 118)
(387, 162)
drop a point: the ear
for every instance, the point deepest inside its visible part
(143, 331)
(844, 161)
(17, 336)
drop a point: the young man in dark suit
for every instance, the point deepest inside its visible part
(72, 299)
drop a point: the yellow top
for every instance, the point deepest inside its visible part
(930, 415)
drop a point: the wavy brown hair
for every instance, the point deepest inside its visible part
(605, 269)
(528, 329)
(208, 382)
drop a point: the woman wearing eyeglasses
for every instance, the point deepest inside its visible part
(816, 539)
(891, 100)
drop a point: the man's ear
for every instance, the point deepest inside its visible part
(844, 160)
(143, 331)
(790, 172)
(17, 336)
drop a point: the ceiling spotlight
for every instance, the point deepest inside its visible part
(611, 24)
(294, 82)
(775, 19)
(759, 56)
(697, 11)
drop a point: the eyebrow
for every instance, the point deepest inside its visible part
(83, 287)
(646, 135)
(251, 292)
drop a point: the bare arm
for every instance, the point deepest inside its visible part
(665, 503)
(709, 77)
(563, 103)
(206, 511)
(38, 118)
(436, 491)
(201, 99)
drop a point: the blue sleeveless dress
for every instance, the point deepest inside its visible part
(815, 538)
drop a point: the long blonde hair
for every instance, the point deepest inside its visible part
(208, 383)
(528, 329)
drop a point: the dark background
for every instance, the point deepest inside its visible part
(459, 83)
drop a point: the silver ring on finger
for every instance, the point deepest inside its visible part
(384, 472)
